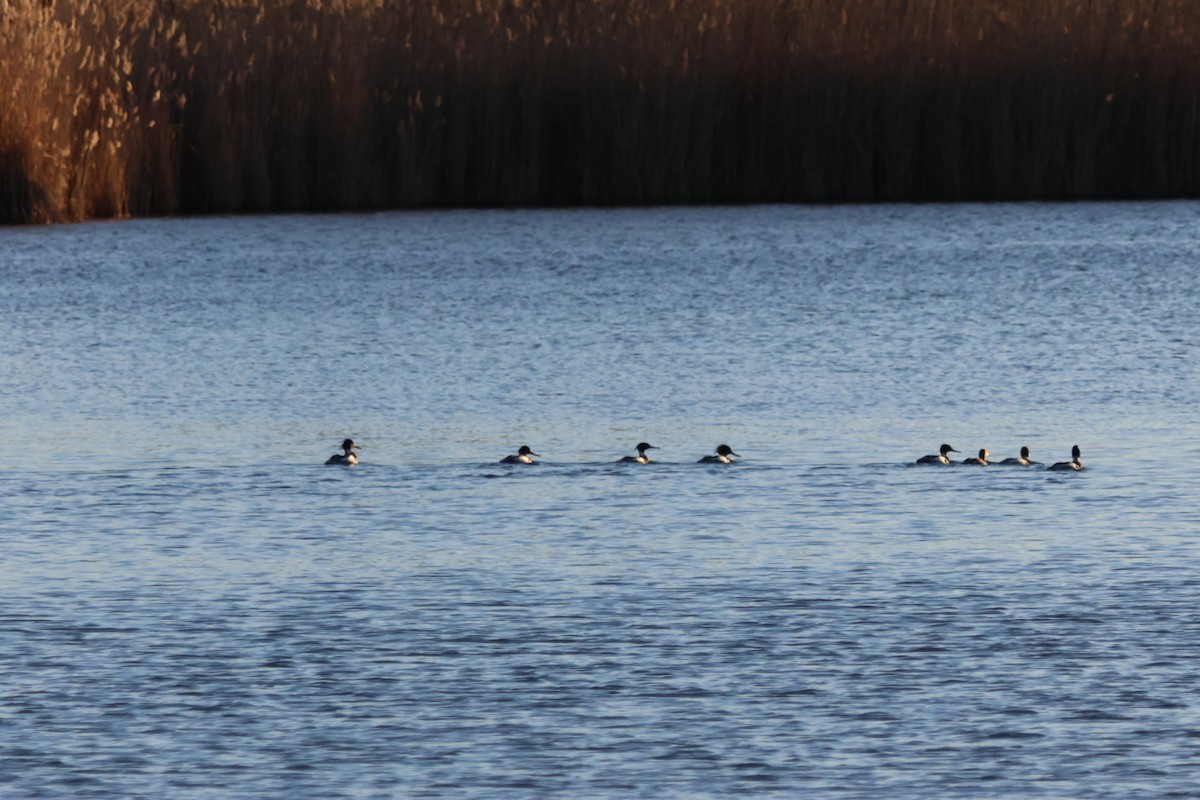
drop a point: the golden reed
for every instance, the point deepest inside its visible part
(119, 107)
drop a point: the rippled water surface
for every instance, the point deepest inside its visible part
(193, 606)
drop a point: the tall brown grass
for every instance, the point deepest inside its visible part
(118, 107)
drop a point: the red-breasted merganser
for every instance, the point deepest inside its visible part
(522, 457)
(724, 452)
(1021, 461)
(641, 457)
(347, 456)
(980, 460)
(940, 458)
(1074, 464)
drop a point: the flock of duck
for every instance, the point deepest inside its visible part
(942, 458)
(724, 454)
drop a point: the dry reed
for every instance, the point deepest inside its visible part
(118, 107)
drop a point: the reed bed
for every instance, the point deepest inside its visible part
(120, 107)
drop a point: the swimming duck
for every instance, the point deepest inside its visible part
(724, 452)
(941, 458)
(522, 457)
(1022, 460)
(346, 457)
(641, 457)
(1074, 464)
(980, 460)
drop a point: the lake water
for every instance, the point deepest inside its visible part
(193, 606)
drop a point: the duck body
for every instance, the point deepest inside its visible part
(1074, 465)
(346, 458)
(522, 457)
(978, 461)
(722, 456)
(641, 457)
(940, 457)
(1021, 460)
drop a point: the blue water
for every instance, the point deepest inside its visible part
(193, 606)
